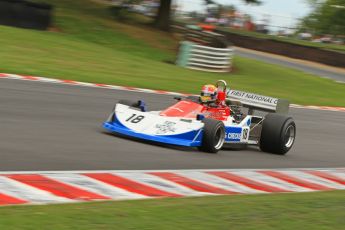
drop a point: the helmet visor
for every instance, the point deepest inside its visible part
(205, 98)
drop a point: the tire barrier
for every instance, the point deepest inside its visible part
(24, 14)
(204, 58)
(291, 50)
(308, 53)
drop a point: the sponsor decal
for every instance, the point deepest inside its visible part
(233, 134)
(249, 122)
(186, 120)
(166, 127)
(245, 133)
(214, 114)
(252, 97)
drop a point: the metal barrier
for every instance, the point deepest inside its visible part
(204, 58)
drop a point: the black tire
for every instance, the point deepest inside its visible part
(213, 136)
(278, 134)
(134, 104)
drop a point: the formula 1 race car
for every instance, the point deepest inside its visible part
(227, 120)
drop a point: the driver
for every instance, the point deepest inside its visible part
(208, 94)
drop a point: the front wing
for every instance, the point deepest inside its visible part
(153, 127)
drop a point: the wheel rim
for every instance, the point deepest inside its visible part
(219, 138)
(289, 136)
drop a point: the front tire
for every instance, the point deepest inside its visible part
(213, 136)
(278, 134)
(134, 104)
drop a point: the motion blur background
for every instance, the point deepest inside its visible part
(285, 49)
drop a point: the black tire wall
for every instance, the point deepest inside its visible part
(297, 51)
(24, 14)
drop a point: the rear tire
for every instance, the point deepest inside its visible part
(213, 136)
(278, 134)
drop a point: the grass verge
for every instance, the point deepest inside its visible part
(91, 46)
(317, 210)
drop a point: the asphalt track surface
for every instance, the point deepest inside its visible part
(318, 70)
(46, 126)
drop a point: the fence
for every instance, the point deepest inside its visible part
(204, 58)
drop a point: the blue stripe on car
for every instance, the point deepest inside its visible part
(192, 138)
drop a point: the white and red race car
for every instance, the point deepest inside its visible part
(229, 120)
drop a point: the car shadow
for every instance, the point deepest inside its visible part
(253, 149)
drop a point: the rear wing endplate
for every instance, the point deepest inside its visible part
(259, 102)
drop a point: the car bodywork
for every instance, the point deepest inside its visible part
(181, 123)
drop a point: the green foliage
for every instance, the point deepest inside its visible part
(252, 1)
(210, 2)
(119, 12)
(326, 17)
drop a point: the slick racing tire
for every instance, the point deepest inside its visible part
(213, 136)
(278, 134)
(134, 104)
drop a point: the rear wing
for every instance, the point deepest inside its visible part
(259, 102)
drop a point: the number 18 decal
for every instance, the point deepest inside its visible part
(135, 119)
